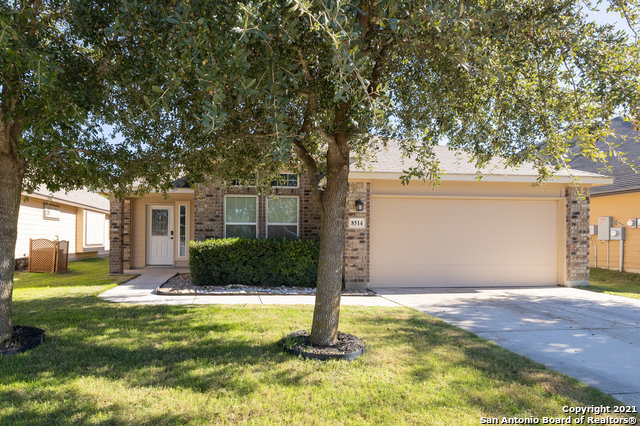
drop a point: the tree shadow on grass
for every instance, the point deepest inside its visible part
(78, 409)
(144, 345)
(214, 350)
(433, 343)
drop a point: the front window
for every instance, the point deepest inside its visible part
(94, 228)
(282, 217)
(286, 180)
(241, 216)
(182, 231)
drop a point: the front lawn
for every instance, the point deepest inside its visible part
(613, 282)
(113, 363)
(88, 272)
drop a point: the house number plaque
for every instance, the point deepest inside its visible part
(357, 223)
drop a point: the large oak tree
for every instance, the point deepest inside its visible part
(324, 82)
(57, 91)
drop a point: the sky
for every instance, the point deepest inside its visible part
(602, 17)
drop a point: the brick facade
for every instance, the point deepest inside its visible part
(356, 244)
(209, 223)
(115, 236)
(577, 241)
(209, 209)
(119, 235)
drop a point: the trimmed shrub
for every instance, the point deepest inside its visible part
(261, 262)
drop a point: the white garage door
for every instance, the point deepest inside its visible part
(462, 242)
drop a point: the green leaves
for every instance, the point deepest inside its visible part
(263, 262)
(236, 84)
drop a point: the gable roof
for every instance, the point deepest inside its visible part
(456, 165)
(625, 179)
(80, 198)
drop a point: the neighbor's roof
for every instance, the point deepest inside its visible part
(625, 179)
(79, 198)
(455, 165)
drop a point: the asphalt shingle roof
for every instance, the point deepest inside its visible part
(82, 197)
(453, 162)
(624, 177)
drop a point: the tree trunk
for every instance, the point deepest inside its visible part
(326, 314)
(11, 174)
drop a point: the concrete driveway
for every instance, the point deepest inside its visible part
(590, 336)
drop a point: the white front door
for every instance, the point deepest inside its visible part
(159, 235)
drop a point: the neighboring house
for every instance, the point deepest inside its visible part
(80, 217)
(501, 230)
(619, 200)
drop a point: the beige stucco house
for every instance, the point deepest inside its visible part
(501, 230)
(80, 217)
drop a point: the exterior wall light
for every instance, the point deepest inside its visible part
(359, 205)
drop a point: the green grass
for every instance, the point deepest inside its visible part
(113, 363)
(88, 272)
(617, 283)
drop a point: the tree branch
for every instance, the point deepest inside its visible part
(327, 137)
(372, 90)
(305, 66)
(309, 162)
(340, 139)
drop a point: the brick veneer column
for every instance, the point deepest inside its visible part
(577, 251)
(115, 236)
(119, 235)
(126, 234)
(356, 244)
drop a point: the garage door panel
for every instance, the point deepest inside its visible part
(482, 276)
(436, 242)
(449, 254)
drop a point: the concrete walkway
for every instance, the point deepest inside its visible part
(591, 336)
(140, 290)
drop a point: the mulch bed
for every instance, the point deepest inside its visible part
(348, 347)
(181, 284)
(22, 339)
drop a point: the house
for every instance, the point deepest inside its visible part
(502, 230)
(80, 217)
(619, 201)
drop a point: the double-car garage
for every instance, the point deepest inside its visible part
(458, 241)
(498, 226)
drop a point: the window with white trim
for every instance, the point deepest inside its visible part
(282, 217)
(286, 180)
(183, 230)
(93, 228)
(241, 216)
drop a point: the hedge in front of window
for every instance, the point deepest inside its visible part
(262, 262)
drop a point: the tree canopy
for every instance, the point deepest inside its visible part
(495, 78)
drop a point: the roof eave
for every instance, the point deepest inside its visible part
(57, 200)
(585, 180)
